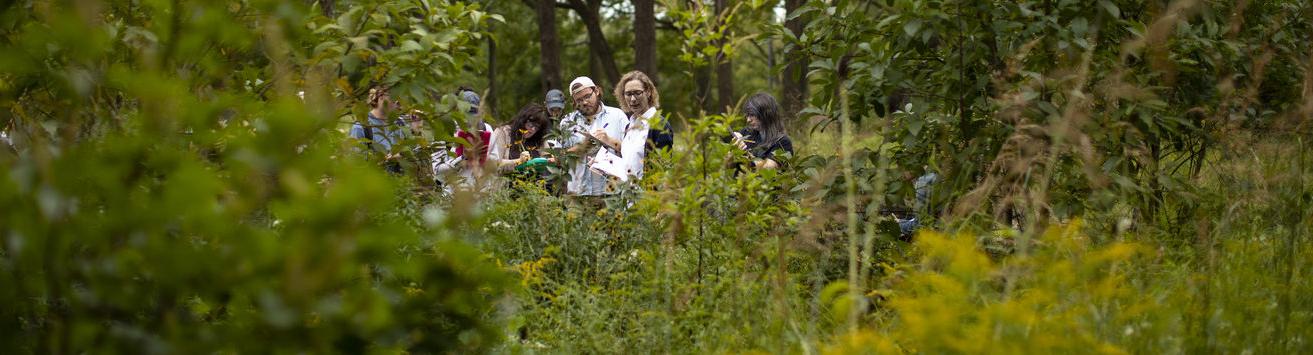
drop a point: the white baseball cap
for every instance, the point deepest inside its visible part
(580, 83)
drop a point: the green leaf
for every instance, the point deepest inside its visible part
(1111, 8)
(800, 12)
(410, 46)
(912, 27)
(887, 20)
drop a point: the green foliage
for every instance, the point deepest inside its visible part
(1101, 98)
(167, 192)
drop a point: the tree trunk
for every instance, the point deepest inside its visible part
(724, 68)
(549, 44)
(770, 65)
(702, 87)
(597, 43)
(645, 37)
(491, 97)
(325, 6)
(795, 69)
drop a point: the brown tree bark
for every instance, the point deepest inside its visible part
(491, 98)
(795, 70)
(702, 88)
(325, 6)
(645, 37)
(724, 67)
(602, 52)
(549, 44)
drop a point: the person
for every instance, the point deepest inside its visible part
(639, 97)
(376, 132)
(515, 144)
(465, 162)
(589, 130)
(764, 138)
(555, 102)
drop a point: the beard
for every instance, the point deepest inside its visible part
(589, 110)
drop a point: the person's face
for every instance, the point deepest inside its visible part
(416, 123)
(636, 96)
(754, 123)
(555, 112)
(530, 129)
(385, 102)
(474, 120)
(587, 101)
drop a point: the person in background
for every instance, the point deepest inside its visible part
(376, 132)
(464, 162)
(591, 127)
(555, 102)
(516, 143)
(764, 138)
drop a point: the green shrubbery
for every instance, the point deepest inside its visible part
(167, 191)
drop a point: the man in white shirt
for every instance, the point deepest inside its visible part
(593, 126)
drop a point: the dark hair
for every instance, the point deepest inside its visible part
(767, 110)
(534, 113)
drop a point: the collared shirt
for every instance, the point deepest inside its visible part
(583, 181)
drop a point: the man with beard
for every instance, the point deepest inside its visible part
(593, 126)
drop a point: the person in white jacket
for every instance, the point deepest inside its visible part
(451, 168)
(639, 97)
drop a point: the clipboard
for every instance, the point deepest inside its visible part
(606, 163)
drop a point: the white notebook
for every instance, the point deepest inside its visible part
(608, 163)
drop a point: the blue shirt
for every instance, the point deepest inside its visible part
(385, 135)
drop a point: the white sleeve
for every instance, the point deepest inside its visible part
(444, 162)
(632, 147)
(495, 145)
(499, 148)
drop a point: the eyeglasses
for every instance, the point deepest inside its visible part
(585, 98)
(635, 93)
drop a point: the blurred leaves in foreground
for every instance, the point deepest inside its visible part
(167, 191)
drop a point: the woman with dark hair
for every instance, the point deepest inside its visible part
(764, 138)
(520, 141)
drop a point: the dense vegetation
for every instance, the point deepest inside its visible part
(1117, 176)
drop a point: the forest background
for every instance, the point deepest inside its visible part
(1116, 176)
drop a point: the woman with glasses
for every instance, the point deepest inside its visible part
(639, 97)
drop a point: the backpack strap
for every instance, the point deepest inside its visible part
(369, 136)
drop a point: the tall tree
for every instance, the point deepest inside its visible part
(702, 87)
(491, 98)
(795, 69)
(326, 7)
(548, 43)
(645, 37)
(724, 68)
(590, 14)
